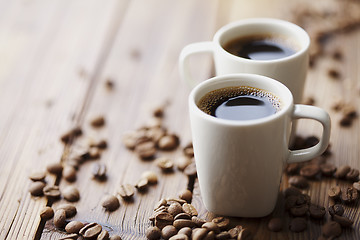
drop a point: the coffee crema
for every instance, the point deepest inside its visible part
(260, 47)
(239, 103)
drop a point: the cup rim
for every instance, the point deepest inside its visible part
(262, 21)
(256, 81)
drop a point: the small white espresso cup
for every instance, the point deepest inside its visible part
(290, 70)
(240, 163)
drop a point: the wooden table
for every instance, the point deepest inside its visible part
(55, 59)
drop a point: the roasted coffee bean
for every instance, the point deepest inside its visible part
(182, 162)
(146, 149)
(189, 150)
(336, 209)
(74, 227)
(46, 213)
(356, 185)
(179, 237)
(52, 192)
(291, 191)
(72, 236)
(70, 210)
(222, 222)
(162, 203)
(310, 171)
(155, 133)
(158, 112)
(55, 168)
(37, 176)
(199, 233)
(175, 208)
(211, 226)
(290, 201)
(190, 170)
(299, 211)
(331, 229)
(71, 134)
(298, 224)
(91, 230)
(275, 224)
(349, 195)
(292, 168)
(170, 200)
(343, 221)
(98, 121)
(102, 144)
(69, 173)
(150, 176)
(299, 182)
(161, 209)
(115, 237)
(186, 231)
(110, 203)
(327, 169)
(222, 236)
(245, 234)
(164, 163)
(186, 195)
(126, 191)
(317, 212)
(71, 194)
(99, 171)
(168, 231)
(168, 142)
(142, 184)
(163, 219)
(104, 235)
(353, 175)
(342, 171)
(346, 121)
(94, 153)
(234, 232)
(198, 221)
(36, 188)
(181, 223)
(60, 218)
(334, 192)
(190, 209)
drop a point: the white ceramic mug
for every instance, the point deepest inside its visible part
(240, 163)
(290, 70)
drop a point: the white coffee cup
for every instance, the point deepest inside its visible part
(290, 70)
(240, 163)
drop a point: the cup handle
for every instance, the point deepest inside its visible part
(320, 115)
(193, 48)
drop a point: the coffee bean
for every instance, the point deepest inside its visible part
(290, 201)
(74, 227)
(70, 210)
(182, 162)
(181, 223)
(245, 234)
(186, 195)
(291, 191)
(190, 209)
(99, 171)
(343, 221)
(91, 230)
(342, 171)
(275, 224)
(36, 188)
(52, 192)
(336, 209)
(163, 219)
(188, 150)
(190, 170)
(299, 211)
(110, 203)
(115, 237)
(198, 221)
(104, 235)
(150, 176)
(146, 149)
(234, 232)
(142, 184)
(168, 142)
(331, 229)
(334, 192)
(222, 236)
(327, 169)
(170, 200)
(60, 218)
(356, 185)
(199, 233)
(317, 212)
(299, 182)
(72, 236)
(162, 202)
(298, 224)
(69, 173)
(175, 208)
(155, 133)
(164, 163)
(102, 144)
(97, 122)
(71, 194)
(353, 175)
(70, 135)
(222, 222)
(186, 231)
(292, 168)
(211, 226)
(153, 233)
(37, 176)
(168, 231)
(156, 212)
(310, 171)
(349, 195)
(55, 168)
(346, 121)
(126, 191)
(179, 237)
(46, 213)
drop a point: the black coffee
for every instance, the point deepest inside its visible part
(239, 103)
(259, 47)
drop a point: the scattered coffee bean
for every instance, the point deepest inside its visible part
(334, 192)
(94, 153)
(71, 194)
(168, 142)
(97, 122)
(190, 209)
(71, 134)
(189, 150)
(317, 212)
(298, 224)
(36, 188)
(331, 229)
(186, 231)
(99, 171)
(163, 219)
(72, 236)
(356, 185)
(182, 162)
(179, 237)
(310, 171)
(352, 175)
(299, 182)
(245, 234)
(275, 224)
(211, 226)
(74, 227)
(327, 169)
(46, 213)
(234, 232)
(181, 223)
(70, 210)
(186, 195)
(91, 230)
(155, 133)
(115, 237)
(222, 222)
(37, 176)
(150, 176)
(126, 191)
(55, 168)
(190, 170)
(60, 218)
(164, 163)
(291, 191)
(199, 233)
(349, 195)
(69, 173)
(170, 200)
(342, 171)
(336, 209)
(142, 184)
(110, 203)
(104, 235)
(168, 231)
(333, 73)
(102, 144)
(146, 150)
(175, 208)
(222, 236)
(162, 202)
(299, 210)
(343, 221)
(198, 221)
(292, 168)
(52, 192)
(346, 121)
